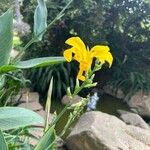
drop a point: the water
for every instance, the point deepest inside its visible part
(106, 103)
(91, 105)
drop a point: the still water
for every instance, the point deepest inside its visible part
(106, 103)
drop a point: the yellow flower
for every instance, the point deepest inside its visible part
(84, 56)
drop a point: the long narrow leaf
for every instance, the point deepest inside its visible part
(37, 62)
(48, 104)
(47, 141)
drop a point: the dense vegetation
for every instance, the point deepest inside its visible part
(123, 25)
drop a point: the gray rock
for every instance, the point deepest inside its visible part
(121, 112)
(133, 119)
(26, 96)
(35, 106)
(118, 93)
(66, 100)
(141, 103)
(100, 131)
(30, 97)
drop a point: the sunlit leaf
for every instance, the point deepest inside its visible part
(16, 117)
(40, 19)
(6, 36)
(37, 62)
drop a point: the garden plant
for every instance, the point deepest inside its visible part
(17, 123)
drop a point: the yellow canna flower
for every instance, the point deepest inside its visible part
(84, 56)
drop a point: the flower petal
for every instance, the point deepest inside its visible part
(76, 42)
(102, 54)
(68, 54)
(79, 46)
(80, 75)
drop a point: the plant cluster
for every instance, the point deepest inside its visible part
(17, 124)
(123, 25)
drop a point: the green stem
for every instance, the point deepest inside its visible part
(69, 122)
(79, 89)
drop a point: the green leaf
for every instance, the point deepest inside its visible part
(47, 141)
(40, 19)
(3, 144)
(6, 36)
(37, 62)
(16, 117)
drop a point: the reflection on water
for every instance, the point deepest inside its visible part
(107, 104)
(91, 105)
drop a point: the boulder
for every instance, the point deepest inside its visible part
(133, 119)
(100, 131)
(35, 106)
(118, 93)
(141, 103)
(66, 100)
(25, 95)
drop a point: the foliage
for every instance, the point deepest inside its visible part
(53, 47)
(62, 77)
(130, 81)
(5, 5)
(16, 123)
(123, 25)
(14, 81)
(6, 21)
(17, 120)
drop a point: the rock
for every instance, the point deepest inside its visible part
(121, 112)
(60, 144)
(100, 131)
(38, 133)
(26, 96)
(133, 110)
(118, 93)
(30, 97)
(35, 106)
(133, 119)
(141, 103)
(25, 90)
(42, 113)
(66, 100)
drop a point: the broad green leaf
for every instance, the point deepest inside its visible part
(40, 19)
(47, 141)
(3, 144)
(16, 117)
(6, 36)
(37, 62)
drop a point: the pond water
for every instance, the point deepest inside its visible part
(106, 103)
